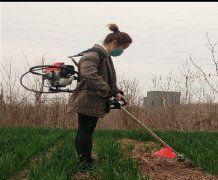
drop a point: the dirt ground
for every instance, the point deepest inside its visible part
(154, 167)
(161, 168)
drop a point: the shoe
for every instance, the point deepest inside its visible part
(83, 158)
(85, 164)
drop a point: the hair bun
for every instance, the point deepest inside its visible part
(113, 27)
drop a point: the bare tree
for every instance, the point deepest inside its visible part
(188, 77)
(211, 47)
(9, 77)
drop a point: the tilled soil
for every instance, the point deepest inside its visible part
(161, 168)
(82, 176)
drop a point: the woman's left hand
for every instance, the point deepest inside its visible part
(119, 97)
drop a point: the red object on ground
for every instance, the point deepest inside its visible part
(165, 152)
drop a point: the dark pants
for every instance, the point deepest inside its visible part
(83, 140)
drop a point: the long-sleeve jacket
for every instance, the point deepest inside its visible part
(96, 76)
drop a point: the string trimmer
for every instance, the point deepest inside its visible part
(166, 151)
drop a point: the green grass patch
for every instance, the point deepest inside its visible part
(200, 147)
(62, 164)
(113, 164)
(20, 144)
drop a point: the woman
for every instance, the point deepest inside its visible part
(97, 84)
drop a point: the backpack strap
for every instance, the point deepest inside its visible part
(100, 53)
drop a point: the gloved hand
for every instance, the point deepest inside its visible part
(119, 97)
(115, 104)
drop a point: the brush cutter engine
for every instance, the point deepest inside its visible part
(55, 77)
(59, 76)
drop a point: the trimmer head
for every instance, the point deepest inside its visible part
(186, 160)
(166, 152)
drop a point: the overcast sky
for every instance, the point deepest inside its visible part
(164, 34)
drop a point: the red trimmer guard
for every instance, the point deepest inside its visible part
(165, 152)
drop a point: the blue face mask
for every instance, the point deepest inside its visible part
(116, 52)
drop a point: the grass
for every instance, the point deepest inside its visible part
(62, 164)
(200, 147)
(20, 144)
(113, 164)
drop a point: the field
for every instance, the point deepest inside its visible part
(46, 153)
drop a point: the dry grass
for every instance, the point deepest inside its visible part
(16, 109)
(182, 117)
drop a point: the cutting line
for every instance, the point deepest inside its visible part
(149, 130)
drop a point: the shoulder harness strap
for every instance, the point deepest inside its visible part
(100, 53)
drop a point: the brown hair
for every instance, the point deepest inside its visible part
(121, 37)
